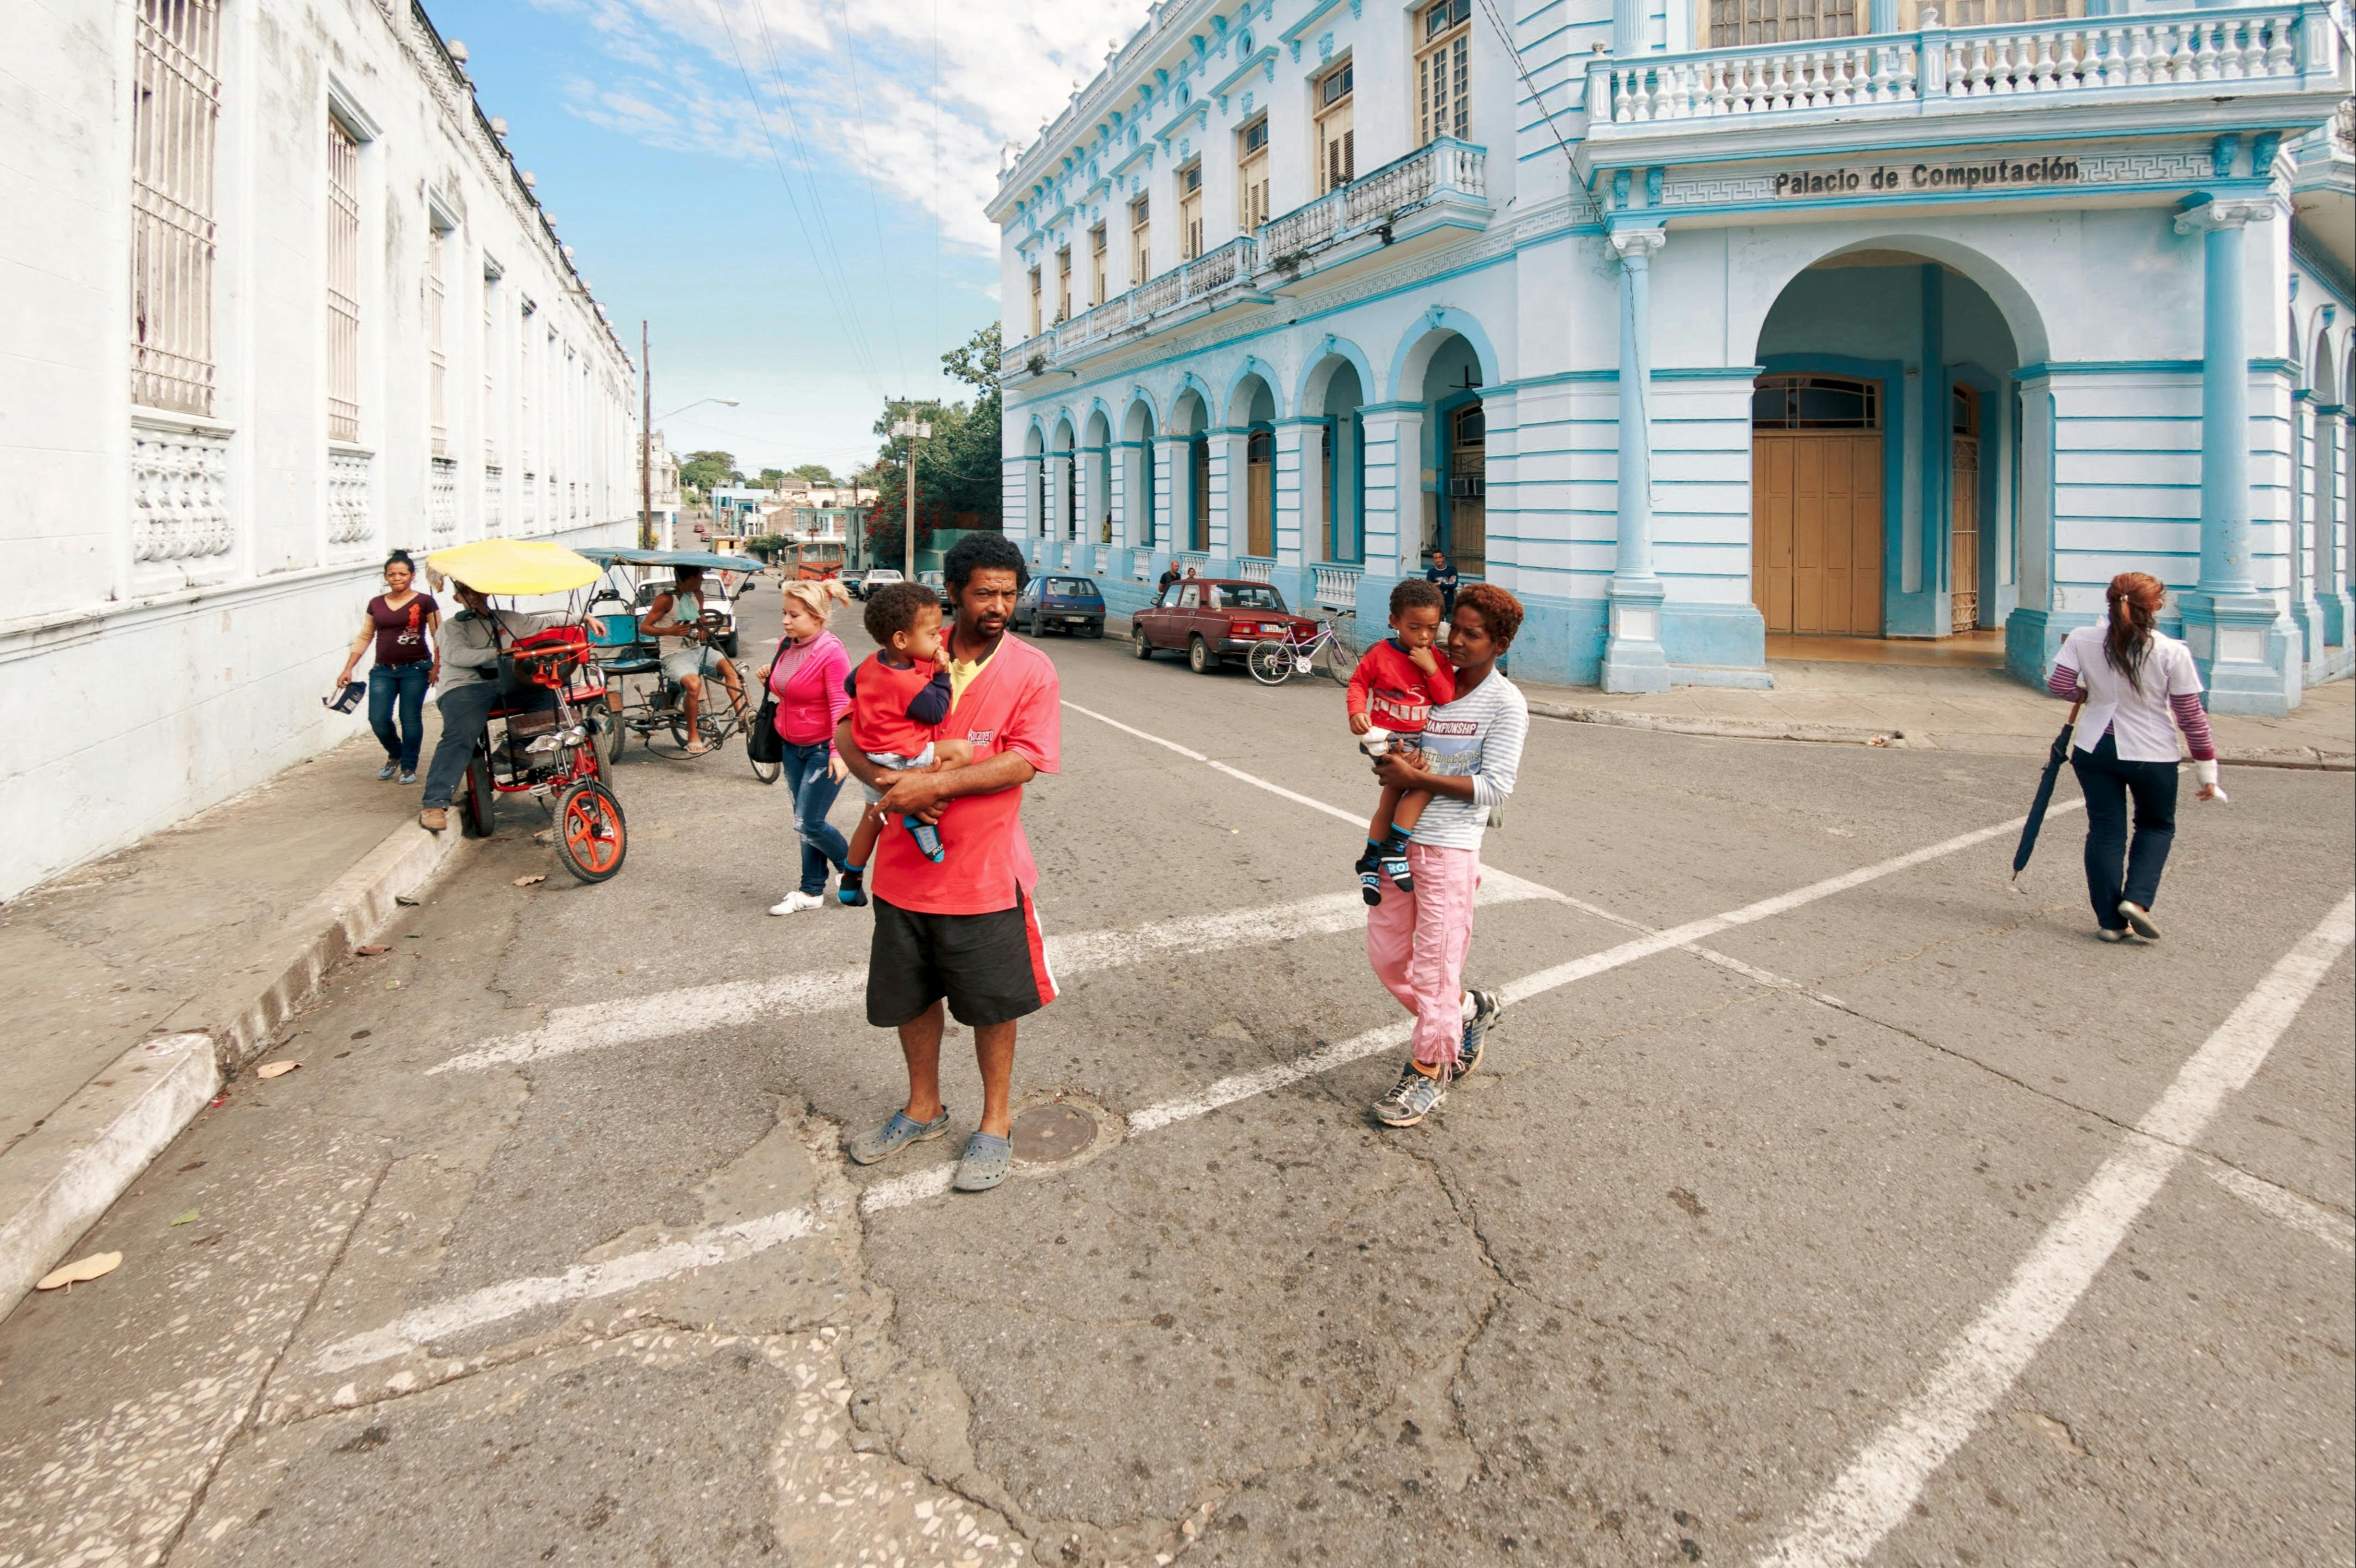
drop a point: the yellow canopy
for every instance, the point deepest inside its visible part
(515, 566)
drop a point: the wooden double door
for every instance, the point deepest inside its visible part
(1816, 521)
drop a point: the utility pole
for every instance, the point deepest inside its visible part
(911, 431)
(646, 440)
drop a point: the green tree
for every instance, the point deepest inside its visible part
(772, 477)
(815, 473)
(958, 471)
(708, 471)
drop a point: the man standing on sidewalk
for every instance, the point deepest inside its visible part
(1417, 940)
(963, 930)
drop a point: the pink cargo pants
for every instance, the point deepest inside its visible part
(1417, 941)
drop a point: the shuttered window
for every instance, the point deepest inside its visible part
(1337, 151)
(1737, 22)
(1443, 70)
(1190, 211)
(1251, 176)
(1141, 241)
(175, 119)
(1096, 280)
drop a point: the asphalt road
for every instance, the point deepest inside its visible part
(1823, 1199)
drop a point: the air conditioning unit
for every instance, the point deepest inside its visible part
(1464, 485)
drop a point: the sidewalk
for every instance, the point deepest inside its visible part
(1942, 709)
(138, 982)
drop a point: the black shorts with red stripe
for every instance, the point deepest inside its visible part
(993, 968)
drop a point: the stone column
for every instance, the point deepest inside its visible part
(1095, 504)
(1631, 27)
(1393, 504)
(1230, 452)
(1174, 496)
(2308, 522)
(1299, 493)
(2244, 654)
(2337, 424)
(1634, 660)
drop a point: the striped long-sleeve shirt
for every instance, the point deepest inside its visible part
(1481, 733)
(2083, 673)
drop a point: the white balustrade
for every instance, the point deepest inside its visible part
(2097, 53)
(179, 494)
(1255, 568)
(494, 501)
(1336, 585)
(1296, 231)
(442, 503)
(1446, 165)
(351, 516)
(1103, 559)
(1183, 559)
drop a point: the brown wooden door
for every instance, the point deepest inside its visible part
(1815, 532)
(1259, 493)
(1965, 525)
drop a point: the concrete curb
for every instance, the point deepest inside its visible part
(2295, 757)
(55, 1183)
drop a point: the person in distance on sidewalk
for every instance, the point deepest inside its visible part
(1418, 939)
(2140, 686)
(404, 624)
(964, 931)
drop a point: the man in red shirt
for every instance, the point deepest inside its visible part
(964, 930)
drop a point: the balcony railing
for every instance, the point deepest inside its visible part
(1336, 585)
(2197, 53)
(1440, 169)
(1255, 568)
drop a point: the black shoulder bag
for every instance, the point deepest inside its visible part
(762, 744)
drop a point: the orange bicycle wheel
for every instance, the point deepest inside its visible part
(591, 836)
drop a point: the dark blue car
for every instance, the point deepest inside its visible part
(1066, 604)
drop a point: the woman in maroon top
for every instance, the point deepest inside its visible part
(406, 627)
(807, 680)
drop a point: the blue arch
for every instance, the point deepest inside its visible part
(1063, 420)
(1331, 346)
(1253, 366)
(1037, 427)
(1152, 414)
(1442, 318)
(1190, 382)
(1095, 406)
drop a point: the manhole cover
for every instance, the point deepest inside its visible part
(1046, 1134)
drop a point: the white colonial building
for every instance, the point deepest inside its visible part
(278, 302)
(1700, 322)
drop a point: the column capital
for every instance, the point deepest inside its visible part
(1635, 247)
(2218, 214)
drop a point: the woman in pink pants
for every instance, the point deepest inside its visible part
(1417, 940)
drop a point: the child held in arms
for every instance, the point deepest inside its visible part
(898, 696)
(1397, 684)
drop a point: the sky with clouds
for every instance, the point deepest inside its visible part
(790, 191)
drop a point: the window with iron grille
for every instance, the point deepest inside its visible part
(1443, 70)
(1736, 22)
(437, 346)
(174, 120)
(1337, 151)
(343, 282)
(490, 368)
(1251, 174)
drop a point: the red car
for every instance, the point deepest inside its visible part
(1214, 619)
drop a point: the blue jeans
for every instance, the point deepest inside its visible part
(2119, 866)
(407, 682)
(813, 788)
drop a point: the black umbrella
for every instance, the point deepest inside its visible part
(2053, 761)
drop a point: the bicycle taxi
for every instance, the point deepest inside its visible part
(548, 735)
(628, 583)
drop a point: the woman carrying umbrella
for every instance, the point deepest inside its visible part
(2139, 688)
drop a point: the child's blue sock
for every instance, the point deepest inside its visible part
(1393, 859)
(928, 839)
(851, 889)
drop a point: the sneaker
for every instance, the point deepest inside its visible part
(389, 769)
(796, 901)
(409, 775)
(1486, 1006)
(1411, 1099)
(2136, 915)
(2105, 933)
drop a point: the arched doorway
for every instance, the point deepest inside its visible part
(1034, 484)
(1885, 452)
(1457, 520)
(1095, 458)
(1251, 410)
(1190, 490)
(1064, 494)
(1334, 392)
(1138, 488)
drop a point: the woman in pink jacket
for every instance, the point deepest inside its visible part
(807, 680)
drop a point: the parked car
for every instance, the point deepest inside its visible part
(936, 581)
(872, 579)
(851, 577)
(1214, 619)
(1068, 605)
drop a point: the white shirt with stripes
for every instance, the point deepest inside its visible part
(1481, 734)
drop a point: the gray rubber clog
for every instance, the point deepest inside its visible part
(894, 1135)
(986, 1162)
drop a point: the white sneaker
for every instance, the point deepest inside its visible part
(795, 903)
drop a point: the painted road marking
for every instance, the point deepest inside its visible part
(667, 1015)
(1723, 960)
(727, 1242)
(1876, 1492)
(583, 1282)
(2302, 1215)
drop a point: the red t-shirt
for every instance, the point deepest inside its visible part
(1387, 688)
(880, 696)
(1015, 704)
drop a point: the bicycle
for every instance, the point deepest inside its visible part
(1278, 660)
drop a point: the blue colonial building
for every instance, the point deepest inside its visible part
(1698, 323)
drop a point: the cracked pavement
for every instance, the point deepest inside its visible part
(1636, 1294)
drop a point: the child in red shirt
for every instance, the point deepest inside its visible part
(1396, 685)
(898, 695)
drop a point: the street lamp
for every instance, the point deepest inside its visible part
(911, 431)
(730, 403)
